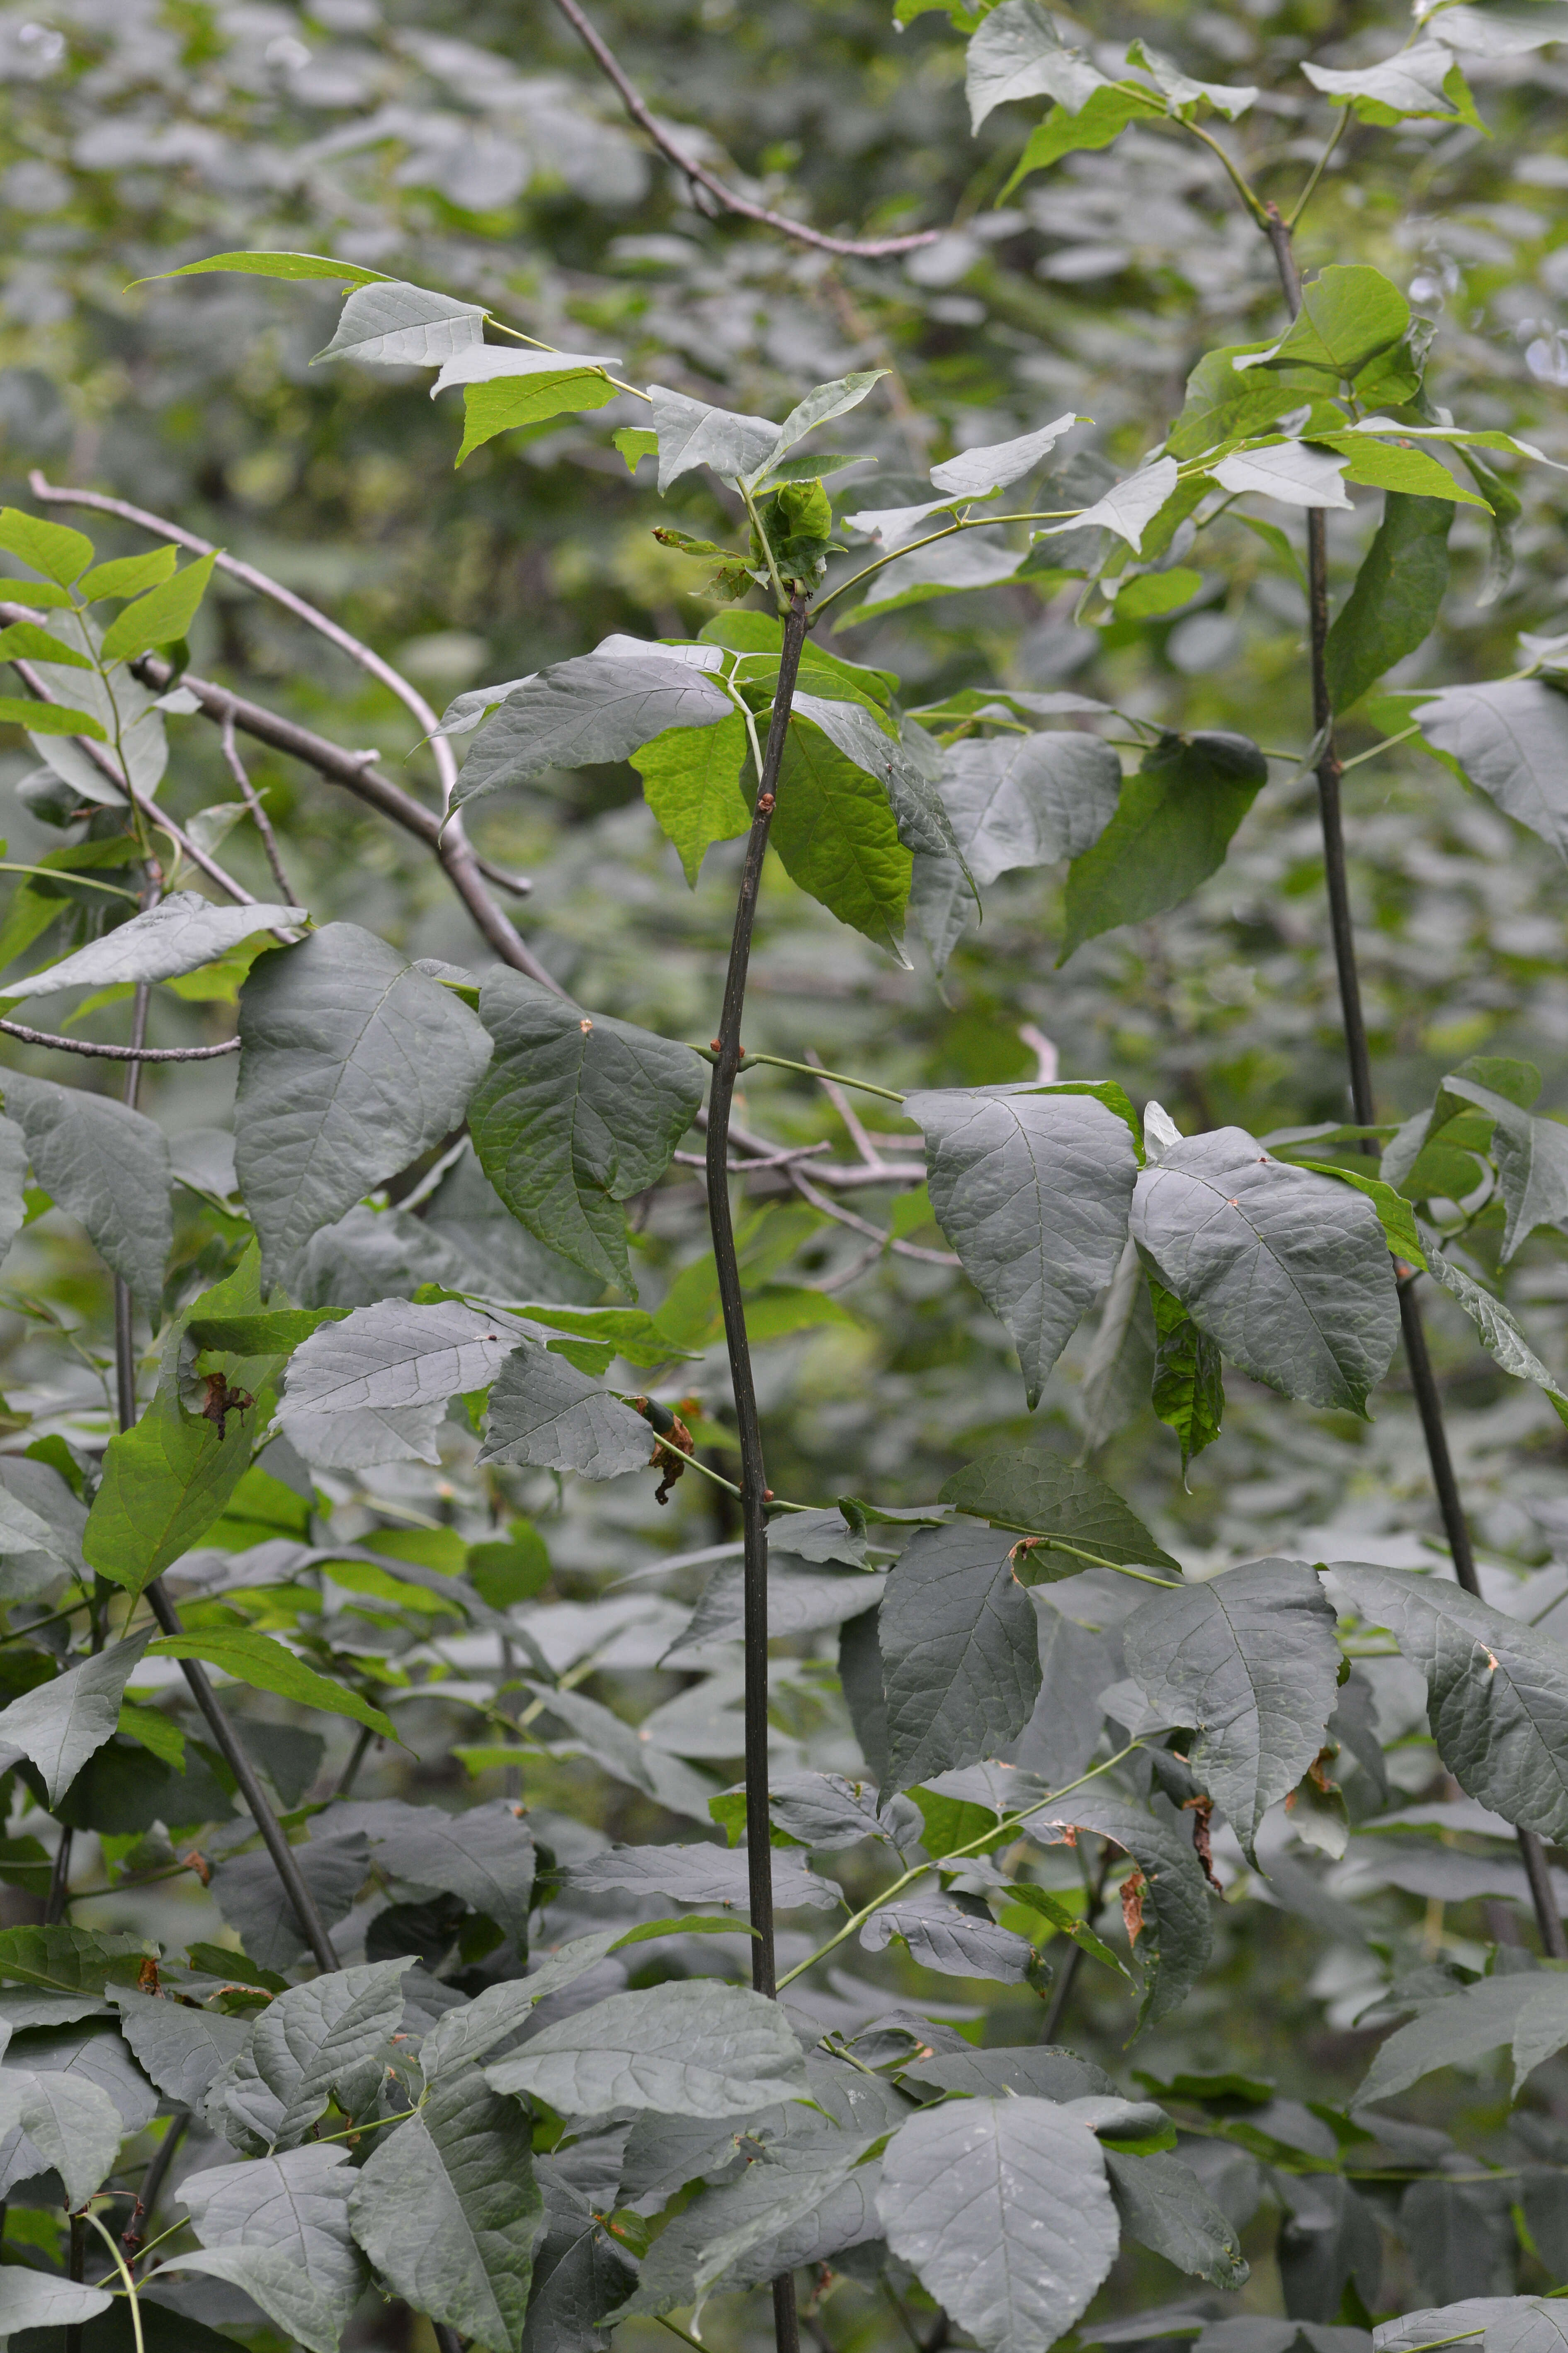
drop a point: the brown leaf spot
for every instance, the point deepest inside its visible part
(1132, 1888)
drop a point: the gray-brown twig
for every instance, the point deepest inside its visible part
(865, 249)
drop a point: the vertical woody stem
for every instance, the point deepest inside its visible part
(1358, 1055)
(754, 1489)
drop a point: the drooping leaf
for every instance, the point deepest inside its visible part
(507, 404)
(59, 1725)
(692, 434)
(1500, 1333)
(1393, 607)
(1002, 2210)
(837, 834)
(279, 2229)
(1497, 1691)
(485, 1854)
(181, 2049)
(30, 2299)
(448, 2212)
(1032, 1186)
(1019, 52)
(960, 1662)
(1531, 1158)
(313, 2043)
(1103, 117)
(599, 706)
(1412, 83)
(545, 1412)
(72, 2123)
(108, 1165)
(1188, 1386)
(1039, 1495)
(247, 1892)
(853, 729)
(693, 783)
(390, 323)
(1028, 800)
(1164, 2206)
(974, 472)
(1286, 1270)
(949, 1939)
(581, 2274)
(692, 2047)
(352, 1064)
(1510, 739)
(1174, 1894)
(1170, 831)
(576, 1113)
(700, 1874)
(374, 1387)
(180, 935)
(1250, 1659)
(1450, 2033)
(168, 1477)
(818, 2201)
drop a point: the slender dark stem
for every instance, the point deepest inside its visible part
(448, 2339)
(1074, 1961)
(76, 2265)
(152, 2181)
(1358, 1054)
(284, 1861)
(727, 1050)
(357, 1755)
(124, 1333)
(59, 1880)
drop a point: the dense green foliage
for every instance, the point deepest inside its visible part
(1136, 1755)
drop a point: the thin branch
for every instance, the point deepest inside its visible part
(847, 1112)
(104, 762)
(863, 1225)
(51, 494)
(252, 799)
(118, 1054)
(357, 773)
(875, 248)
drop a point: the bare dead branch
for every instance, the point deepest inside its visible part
(118, 1054)
(872, 249)
(253, 803)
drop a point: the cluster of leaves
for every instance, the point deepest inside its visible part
(404, 1265)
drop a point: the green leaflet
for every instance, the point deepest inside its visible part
(1388, 466)
(1393, 604)
(1394, 1212)
(448, 2210)
(168, 1478)
(1188, 1393)
(961, 1659)
(509, 402)
(1348, 314)
(162, 616)
(60, 554)
(1037, 1495)
(575, 1114)
(1104, 116)
(693, 782)
(127, 575)
(1251, 1660)
(1227, 404)
(1171, 828)
(264, 1664)
(69, 1960)
(948, 2200)
(834, 831)
(277, 265)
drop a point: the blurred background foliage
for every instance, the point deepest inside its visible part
(475, 148)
